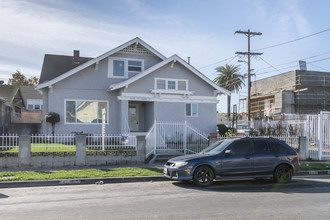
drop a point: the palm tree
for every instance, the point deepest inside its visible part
(230, 79)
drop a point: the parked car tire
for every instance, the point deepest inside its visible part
(203, 176)
(283, 174)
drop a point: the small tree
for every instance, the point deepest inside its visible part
(53, 118)
(222, 129)
(19, 79)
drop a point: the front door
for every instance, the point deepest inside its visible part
(133, 117)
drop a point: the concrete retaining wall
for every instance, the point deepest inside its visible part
(26, 158)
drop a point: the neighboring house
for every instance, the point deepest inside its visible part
(11, 106)
(294, 92)
(32, 98)
(134, 83)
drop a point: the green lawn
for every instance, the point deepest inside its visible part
(67, 148)
(87, 173)
(315, 166)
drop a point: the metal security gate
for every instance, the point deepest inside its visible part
(175, 138)
(318, 135)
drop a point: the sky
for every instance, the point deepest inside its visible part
(203, 30)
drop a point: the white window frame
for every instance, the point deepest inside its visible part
(191, 104)
(110, 66)
(139, 60)
(85, 100)
(33, 104)
(176, 83)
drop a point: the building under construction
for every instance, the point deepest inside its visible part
(294, 92)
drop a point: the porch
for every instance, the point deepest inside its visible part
(136, 116)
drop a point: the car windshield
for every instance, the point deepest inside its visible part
(217, 147)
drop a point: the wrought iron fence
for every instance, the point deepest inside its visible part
(111, 142)
(53, 143)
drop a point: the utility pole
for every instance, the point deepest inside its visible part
(249, 54)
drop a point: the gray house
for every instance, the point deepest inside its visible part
(134, 83)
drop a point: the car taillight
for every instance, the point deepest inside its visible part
(297, 156)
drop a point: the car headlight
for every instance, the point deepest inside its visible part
(180, 164)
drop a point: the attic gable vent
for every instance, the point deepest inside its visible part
(136, 49)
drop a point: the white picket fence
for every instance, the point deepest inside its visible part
(9, 142)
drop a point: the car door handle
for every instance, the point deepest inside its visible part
(276, 155)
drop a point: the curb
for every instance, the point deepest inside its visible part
(108, 180)
(83, 181)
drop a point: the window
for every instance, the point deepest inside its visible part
(134, 66)
(85, 112)
(240, 148)
(262, 147)
(171, 84)
(191, 110)
(34, 104)
(120, 67)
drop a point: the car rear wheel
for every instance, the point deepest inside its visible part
(203, 176)
(283, 174)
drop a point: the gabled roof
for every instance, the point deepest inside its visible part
(97, 59)
(55, 65)
(174, 58)
(28, 92)
(8, 93)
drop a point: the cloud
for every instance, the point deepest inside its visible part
(35, 29)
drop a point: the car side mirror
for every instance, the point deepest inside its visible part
(228, 152)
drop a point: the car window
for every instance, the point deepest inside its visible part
(240, 147)
(262, 146)
(281, 147)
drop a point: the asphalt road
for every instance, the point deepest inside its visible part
(303, 198)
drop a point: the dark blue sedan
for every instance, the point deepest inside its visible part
(236, 158)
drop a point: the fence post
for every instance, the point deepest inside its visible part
(24, 154)
(185, 138)
(320, 136)
(80, 150)
(141, 148)
(303, 148)
(155, 136)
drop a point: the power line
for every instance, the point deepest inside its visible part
(291, 41)
(217, 62)
(315, 61)
(306, 58)
(228, 62)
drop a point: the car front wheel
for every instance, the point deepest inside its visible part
(203, 176)
(283, 174)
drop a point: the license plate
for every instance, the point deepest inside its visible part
(165, 170)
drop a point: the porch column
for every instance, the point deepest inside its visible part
(123, 115)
